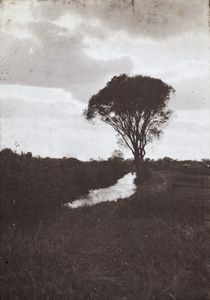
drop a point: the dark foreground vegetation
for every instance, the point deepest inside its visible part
(31, 186)
(154, 245)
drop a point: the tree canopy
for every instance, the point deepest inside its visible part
(136, 107)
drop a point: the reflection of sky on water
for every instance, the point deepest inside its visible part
(124, 188)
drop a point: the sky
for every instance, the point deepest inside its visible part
(55, 55)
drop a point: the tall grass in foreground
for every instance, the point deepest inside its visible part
(144, 247)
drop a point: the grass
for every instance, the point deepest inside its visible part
(33, 186)
(154, 245)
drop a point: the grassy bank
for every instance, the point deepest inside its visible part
(153, 245)
(33, 188)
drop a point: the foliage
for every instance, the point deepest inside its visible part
(136, 107)
(184, 166)
(117, 155)
(31, 184)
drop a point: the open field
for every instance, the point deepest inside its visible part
(153, 245)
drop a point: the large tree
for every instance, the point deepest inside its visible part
(136, 107)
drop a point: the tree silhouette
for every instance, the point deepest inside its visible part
(136, 107)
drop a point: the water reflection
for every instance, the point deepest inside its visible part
(124, 188)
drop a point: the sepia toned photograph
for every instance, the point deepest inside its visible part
(104, 149)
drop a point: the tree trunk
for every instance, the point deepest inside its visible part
(140, 168)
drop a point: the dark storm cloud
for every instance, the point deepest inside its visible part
(56, 56)
(153, 18)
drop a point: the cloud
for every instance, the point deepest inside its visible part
(55, 56)
(180, 147)
(25, 102)
(186, 70)
(191, 94)
(58, 138)
(49, 122)
(154, 18)
(33, 93)
(79, 46)
(186, 137)
(58, 61)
